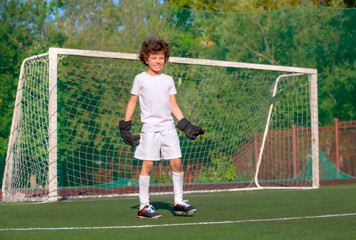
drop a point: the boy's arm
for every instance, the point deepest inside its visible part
(125, 125)
(190, 130)
(175, 108)
(131, 107)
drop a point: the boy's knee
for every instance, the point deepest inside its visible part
(176, 165)
(147, 167)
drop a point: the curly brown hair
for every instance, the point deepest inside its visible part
(153, 45)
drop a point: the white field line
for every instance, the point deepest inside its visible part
(178, 224)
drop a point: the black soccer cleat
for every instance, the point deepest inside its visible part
(184, 208)
(148, 212)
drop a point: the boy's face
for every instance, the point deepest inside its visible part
(155, 63)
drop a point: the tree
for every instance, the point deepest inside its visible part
(312, 37)
(254, 5)
(258, 31)
(24, 31)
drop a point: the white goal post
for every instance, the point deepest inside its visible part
(261, 125)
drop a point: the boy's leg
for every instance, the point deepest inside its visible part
(144, 183)
(146, 210)
(177, 179)
(180, 206)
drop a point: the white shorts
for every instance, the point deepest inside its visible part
(155, 146)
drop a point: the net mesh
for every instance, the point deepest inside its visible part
(230, 104)
(27, 167)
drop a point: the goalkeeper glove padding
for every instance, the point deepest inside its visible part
(190, 130)
(126, 135)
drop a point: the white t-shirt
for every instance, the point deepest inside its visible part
(153, 92)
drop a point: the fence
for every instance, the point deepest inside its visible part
(336, 142)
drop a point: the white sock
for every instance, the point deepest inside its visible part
(177, 179)
(144, 185)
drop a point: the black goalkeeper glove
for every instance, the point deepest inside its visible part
(126, 135)
(190, 130)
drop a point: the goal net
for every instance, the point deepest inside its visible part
(261, 127)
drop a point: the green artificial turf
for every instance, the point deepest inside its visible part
(260, 214)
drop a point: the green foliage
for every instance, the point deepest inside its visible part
(20, 29)
(303, 36)
(252, 5)
(220, 169)
(338, 91)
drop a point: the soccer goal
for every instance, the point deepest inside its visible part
(261, 125)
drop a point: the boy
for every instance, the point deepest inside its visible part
(156, 93)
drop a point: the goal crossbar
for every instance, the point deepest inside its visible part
(206, 62)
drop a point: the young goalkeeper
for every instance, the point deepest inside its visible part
(156, 93)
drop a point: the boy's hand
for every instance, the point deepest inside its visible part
(126, 135)
(190, 130)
